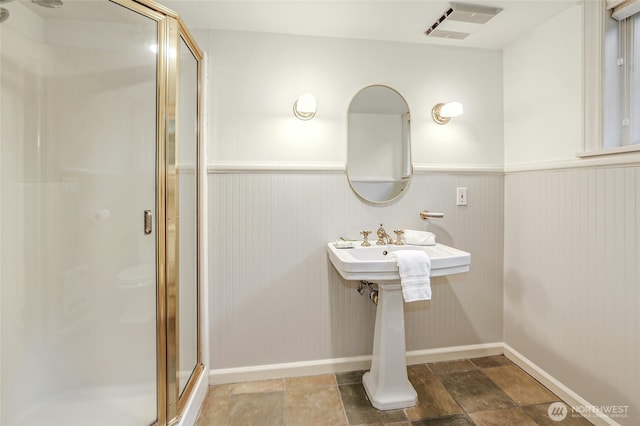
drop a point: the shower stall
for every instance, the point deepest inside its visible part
(101, 210)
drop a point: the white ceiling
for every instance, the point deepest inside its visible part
(402, 21)
(388, 20)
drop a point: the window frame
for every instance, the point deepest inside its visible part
(594, 32)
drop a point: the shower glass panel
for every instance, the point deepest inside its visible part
(188, 215)
(78, 169)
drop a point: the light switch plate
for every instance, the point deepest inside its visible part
(461, 196)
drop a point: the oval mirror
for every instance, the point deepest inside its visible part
(379, 144)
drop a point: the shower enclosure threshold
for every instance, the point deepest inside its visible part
(133, 405)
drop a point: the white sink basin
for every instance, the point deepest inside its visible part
(387, 384)
(374, 263)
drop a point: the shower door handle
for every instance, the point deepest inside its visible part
(148, 222)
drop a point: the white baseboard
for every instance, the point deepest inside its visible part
(453, 353)
(291, 369)
(191, 410)
(341, 365)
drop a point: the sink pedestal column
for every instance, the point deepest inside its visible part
(387, 384)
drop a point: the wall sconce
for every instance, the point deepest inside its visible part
(305, 107)
(442, 113)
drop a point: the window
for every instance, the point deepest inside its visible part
(612, 77)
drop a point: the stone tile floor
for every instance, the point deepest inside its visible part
(480, 391)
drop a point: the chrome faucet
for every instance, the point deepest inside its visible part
(383, 237)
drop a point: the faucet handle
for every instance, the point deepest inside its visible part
(365, 240)
(399, 233)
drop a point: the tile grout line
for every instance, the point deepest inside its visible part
(284, 402)
(464, 410)
(466, 413)
(344, 410)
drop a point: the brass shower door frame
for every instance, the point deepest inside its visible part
(185, 35)
(170, 403)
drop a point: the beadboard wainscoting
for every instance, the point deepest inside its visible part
(572, 279)
(275, 298)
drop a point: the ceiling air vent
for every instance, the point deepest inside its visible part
(460, 20)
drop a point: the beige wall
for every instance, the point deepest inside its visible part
(543, 112)
(256, 77)
(276, 298)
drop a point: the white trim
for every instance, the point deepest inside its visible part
(341, 365)
(453, 353)
(310, 167)
(259, 167)
(610, 151)
(605, 158)
(594, 19)
(291, 369)
(458, 168)
(629, 160)
(555, 386)
(192, 408)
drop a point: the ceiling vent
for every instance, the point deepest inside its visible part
(460, 20)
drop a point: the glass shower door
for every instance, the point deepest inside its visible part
(78, 182)
(188, 347)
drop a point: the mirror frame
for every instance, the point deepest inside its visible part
(409, 149)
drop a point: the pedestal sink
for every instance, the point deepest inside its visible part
(387, 384)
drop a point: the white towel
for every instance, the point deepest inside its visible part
(414, 267)
(419, 238)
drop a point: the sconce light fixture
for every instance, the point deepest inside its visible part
(305, 106)
(442, 113)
